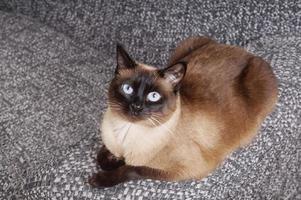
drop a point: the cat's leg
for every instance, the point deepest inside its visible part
(107, 161)
(126, 173)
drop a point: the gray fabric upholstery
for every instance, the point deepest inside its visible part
(57, 57)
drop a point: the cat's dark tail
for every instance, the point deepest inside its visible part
(187, 46)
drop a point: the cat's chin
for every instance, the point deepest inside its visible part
(134, 119)
(141, 120)
(149, 120)
(129, 117)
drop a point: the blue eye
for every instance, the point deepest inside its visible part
(127, 89)
(153, 96)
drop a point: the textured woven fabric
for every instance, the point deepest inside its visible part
(155, 26)
(55, 64)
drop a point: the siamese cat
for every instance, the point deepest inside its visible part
(180, 122)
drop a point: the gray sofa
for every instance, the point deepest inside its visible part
(57, 58)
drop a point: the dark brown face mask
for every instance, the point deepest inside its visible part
(138, 93)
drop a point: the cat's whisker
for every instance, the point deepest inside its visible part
(149, 119)
(129, 126)
(114, 104)
(115, 108)
(156, 114)
(157, 117)
(163, 125)
(119, 128)
(156, 120)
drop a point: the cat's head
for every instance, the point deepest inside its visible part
(140, 93)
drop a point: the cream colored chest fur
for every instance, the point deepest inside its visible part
(138, 144)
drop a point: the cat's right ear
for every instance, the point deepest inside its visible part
(124, 61)
(174, 74)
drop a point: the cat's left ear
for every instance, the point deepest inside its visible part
(174, 74)
(124, 61)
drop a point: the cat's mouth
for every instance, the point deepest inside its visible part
(146, 119)
(151, 119)
(135, 116)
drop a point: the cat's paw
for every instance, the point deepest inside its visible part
(107, 161)
(102, 179)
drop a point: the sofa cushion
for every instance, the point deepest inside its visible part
(160, 24)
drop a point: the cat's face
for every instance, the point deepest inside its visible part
(143, 93)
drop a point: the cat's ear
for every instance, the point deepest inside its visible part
(174, 74)
(124, 61)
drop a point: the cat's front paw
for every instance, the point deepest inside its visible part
(103, 179)
(107, 161)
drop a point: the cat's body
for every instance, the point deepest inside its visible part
(219, 105)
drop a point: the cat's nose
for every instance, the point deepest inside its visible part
(136, 107)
